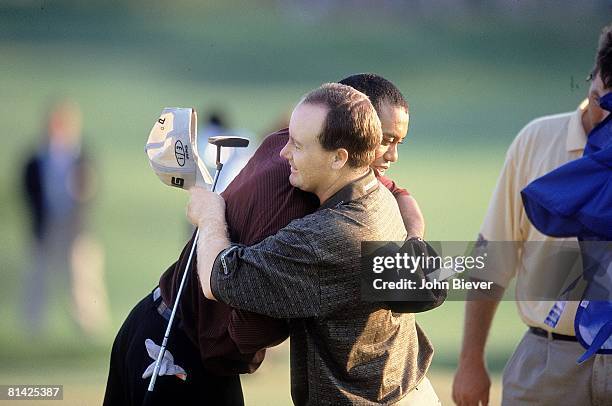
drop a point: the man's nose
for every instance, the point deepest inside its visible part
(391, 154)
(284, 153)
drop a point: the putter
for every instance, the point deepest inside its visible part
(219, 142)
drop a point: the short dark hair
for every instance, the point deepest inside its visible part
(351, 122)
(377, 88)
(603, 58)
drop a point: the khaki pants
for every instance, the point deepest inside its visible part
(544, 372)
(423, 395)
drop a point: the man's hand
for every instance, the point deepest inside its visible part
(472, 384)
(205, 207)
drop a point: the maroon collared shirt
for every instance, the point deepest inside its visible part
(259, 202)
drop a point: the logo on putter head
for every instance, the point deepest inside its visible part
(180, 153)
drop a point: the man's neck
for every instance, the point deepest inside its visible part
(339, 182)
(591, 117)
(587, 125)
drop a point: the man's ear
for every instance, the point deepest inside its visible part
(340, 158)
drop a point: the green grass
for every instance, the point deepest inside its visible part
(472, 82)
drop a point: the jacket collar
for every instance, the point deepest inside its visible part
(353, 191)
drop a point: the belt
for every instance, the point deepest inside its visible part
(552, 336)
(162, 309)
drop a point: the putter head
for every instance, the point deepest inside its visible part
(229, 141)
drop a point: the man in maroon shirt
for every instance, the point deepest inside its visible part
(212, 342)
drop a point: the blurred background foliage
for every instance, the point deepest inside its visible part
(474, 73)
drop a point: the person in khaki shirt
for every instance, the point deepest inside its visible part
(543, 369)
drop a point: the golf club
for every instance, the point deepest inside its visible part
(219, 142)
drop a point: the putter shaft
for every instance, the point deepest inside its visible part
(162, 350)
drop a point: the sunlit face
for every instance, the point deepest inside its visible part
(310, 163)
(394, 123)
(594, 113)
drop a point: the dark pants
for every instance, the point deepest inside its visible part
(129, 359)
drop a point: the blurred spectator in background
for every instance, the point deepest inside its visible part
(234, 159)
(58, 181)
(216, 124)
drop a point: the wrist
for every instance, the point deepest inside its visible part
(472, 358)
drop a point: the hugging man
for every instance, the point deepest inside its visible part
(343, 350)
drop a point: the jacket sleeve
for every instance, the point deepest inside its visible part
(277, 277)
(310, 268)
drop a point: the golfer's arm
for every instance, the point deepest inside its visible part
(212, 240)
(479, 313)
(278, 277)
(411, 215)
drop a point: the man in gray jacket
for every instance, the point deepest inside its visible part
(343, 350)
